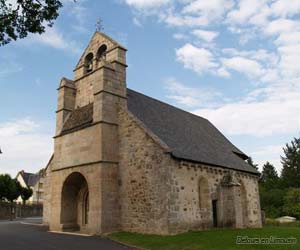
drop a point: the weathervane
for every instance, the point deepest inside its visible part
(99, 25)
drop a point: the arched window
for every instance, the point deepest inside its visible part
(101, 53)
(88, 62)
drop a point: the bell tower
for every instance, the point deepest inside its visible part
(86, 141)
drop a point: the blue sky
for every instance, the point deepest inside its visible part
(235, 62)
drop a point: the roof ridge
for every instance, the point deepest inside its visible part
(188, 136)
(236, 150)
(182, 110)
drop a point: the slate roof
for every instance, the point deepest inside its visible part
(188, 136)
(78, 119)
(30, 179)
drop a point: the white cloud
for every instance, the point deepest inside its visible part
(141, 4)
(179, 20)
(223, 72)
(278, 112)
(261, 55)
(246, 9)
(194, 13)
(180, 36)
(53, 38)
(137, 22)
(249, 67)
(278, 26)
(270, 152)
(191, 97)
(211, 9)
(24, 145)
(288, 38)
(198, 59)
(285, 8)
(289, 63)
(205, 35)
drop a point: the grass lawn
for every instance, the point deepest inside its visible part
(222, 239)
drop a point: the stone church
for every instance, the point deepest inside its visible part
(124, 161)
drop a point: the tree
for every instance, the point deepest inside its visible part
(251, 163)
(10, 190)
(269, 177)
(4, 184)
(26, 16)
(272, 201)
(14, 191)
(292, 202)
(26, 193)
(290, 174)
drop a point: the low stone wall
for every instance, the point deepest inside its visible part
(4, 210)
(19, 210)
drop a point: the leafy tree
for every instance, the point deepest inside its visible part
(4, 184)
(26, 193)
(290, 174)
(251, 163)
(10, 190)
(272, 201)
(26, 16)
(14, 191)
(269, 177)
(292, 202)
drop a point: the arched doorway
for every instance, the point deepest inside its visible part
(74, 203)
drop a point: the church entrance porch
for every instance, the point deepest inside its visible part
(75, 203)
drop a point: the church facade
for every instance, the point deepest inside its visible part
(126, 162)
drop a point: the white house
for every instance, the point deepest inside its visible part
(33, 181)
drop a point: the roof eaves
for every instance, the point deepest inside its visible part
(215, 165)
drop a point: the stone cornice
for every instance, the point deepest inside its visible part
(85, 164)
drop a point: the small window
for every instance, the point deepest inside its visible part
(101, 53)
(88, 63)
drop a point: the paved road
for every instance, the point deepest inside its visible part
(18, 236)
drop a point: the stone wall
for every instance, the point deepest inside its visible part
(161, 195)
(47, 193)
(134, 184)
(144, 172)
(88, 157)
(80, 147)
(187, 211)
(20, 210)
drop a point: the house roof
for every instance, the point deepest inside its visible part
(30, 179)
(188, 136)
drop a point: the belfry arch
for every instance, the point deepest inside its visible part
(75, 203)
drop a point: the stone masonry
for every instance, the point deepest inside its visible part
(110, 172)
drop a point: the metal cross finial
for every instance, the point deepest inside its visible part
(99, 25)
